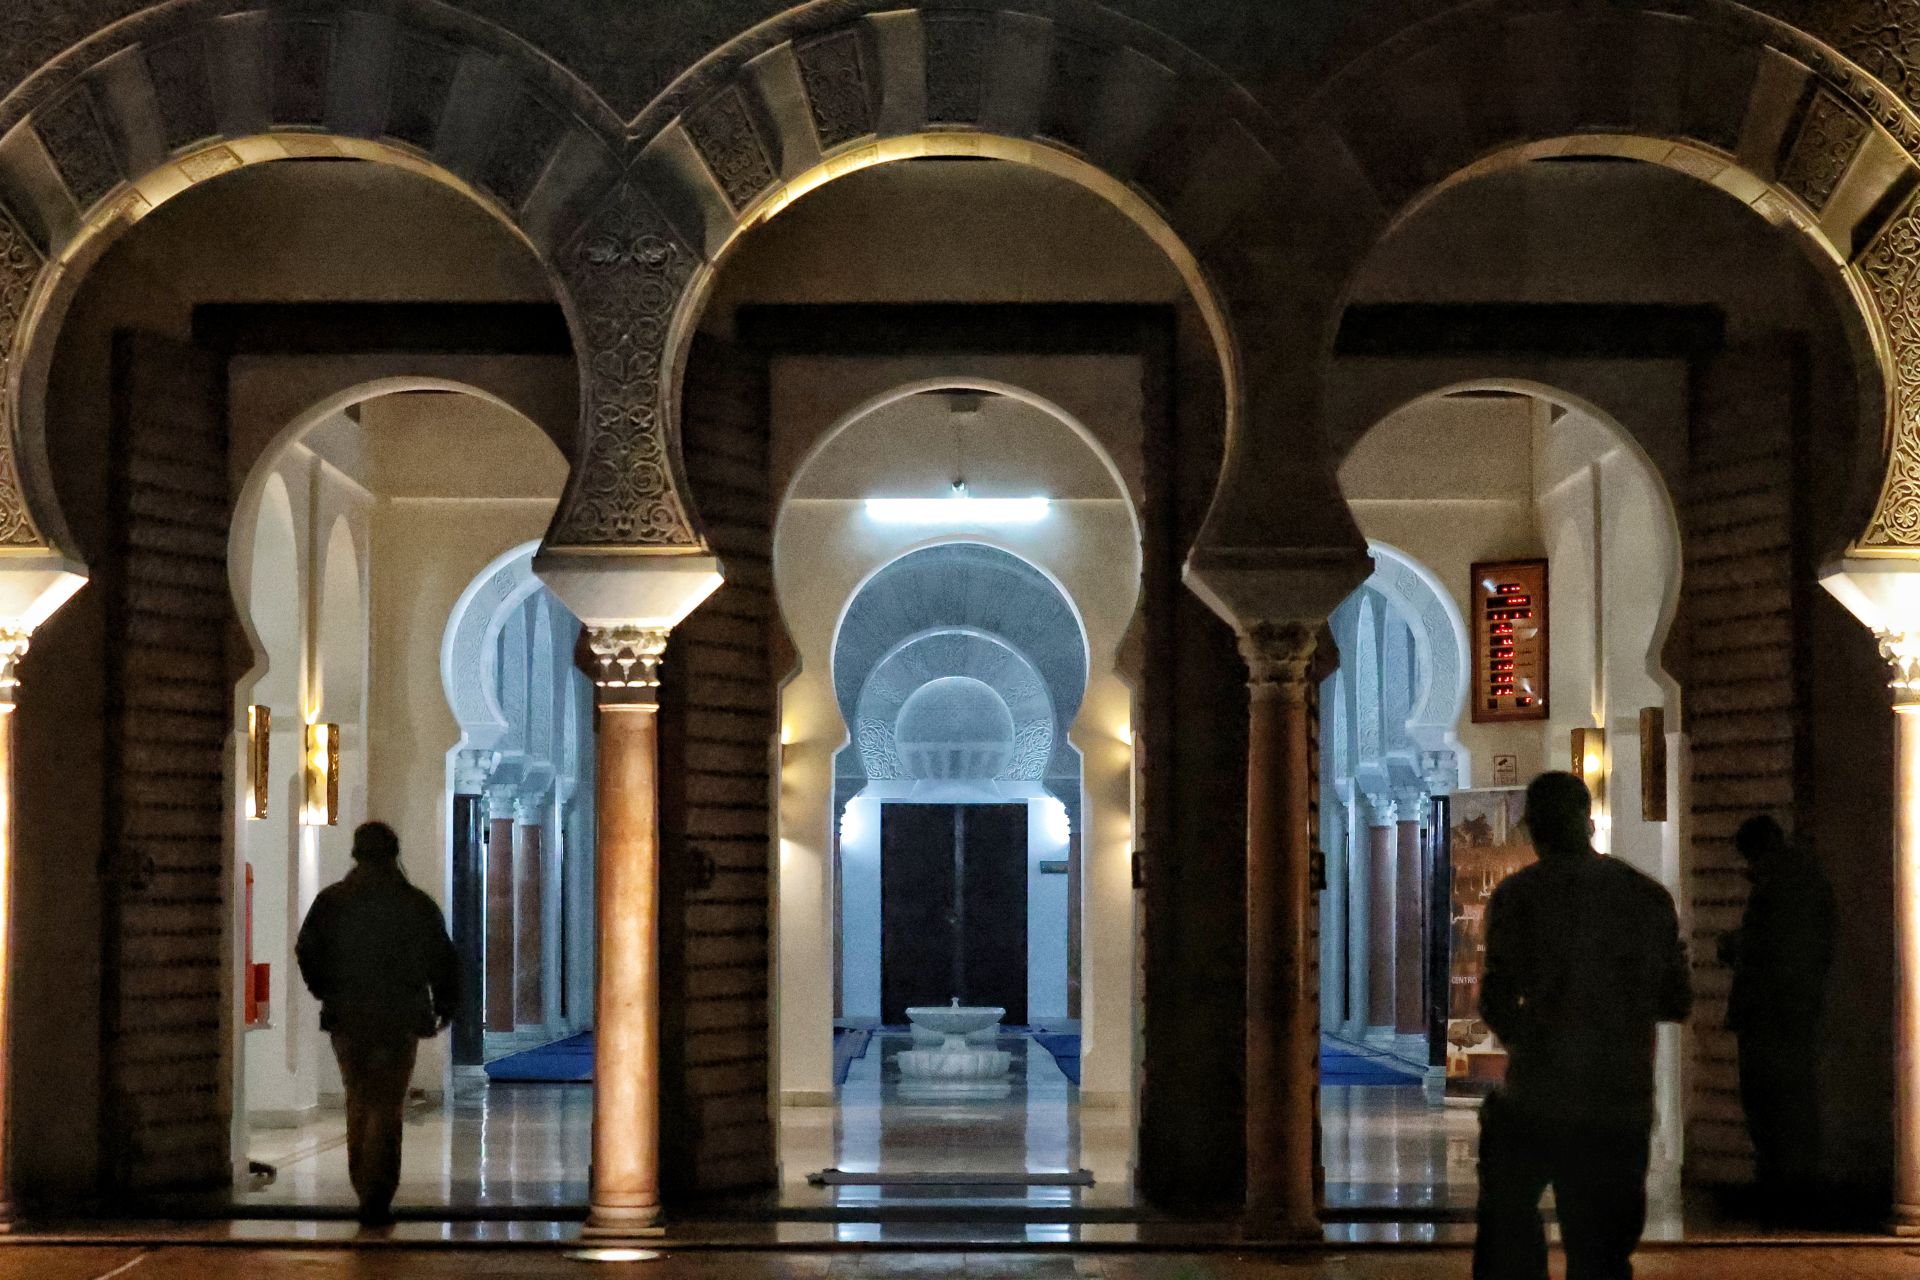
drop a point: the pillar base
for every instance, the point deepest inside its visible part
(608, 1225)
(1905, 1221)
(1278, 1226)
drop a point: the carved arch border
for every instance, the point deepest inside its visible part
(178, 95)
(1780, 120)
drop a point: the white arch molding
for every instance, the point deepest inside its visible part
(471, 640)
(1440, 650)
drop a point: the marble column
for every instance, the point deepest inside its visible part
(13, 646)
(530, 900)
(624, 1187)
(501, 920)
(1359, 917)
(1333, 911)
(1383, 824)
(1282, 1024)
(1410, 926)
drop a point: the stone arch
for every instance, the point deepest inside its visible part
(1076, 89)
(1440, 645)
(1767, 113)
(1369, 744)
(471, 640)
(178, 95)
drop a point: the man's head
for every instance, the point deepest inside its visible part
(1759, 837)
(1559, 814)
(375, 842)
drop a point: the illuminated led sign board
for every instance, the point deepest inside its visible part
(1509, 641)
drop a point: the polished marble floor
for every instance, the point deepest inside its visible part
(33, 1261)
(1388, 1152)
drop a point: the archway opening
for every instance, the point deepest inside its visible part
(414, 672)
(957, 734)
(1527, 564)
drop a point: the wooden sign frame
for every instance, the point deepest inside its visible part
(1533, 575)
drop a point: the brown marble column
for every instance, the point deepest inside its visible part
(1282, 1021)
(1383, 916)
(624, 1190)
(501, 918)
(1410, 917)
(13, 644)
(529, 939)
(1906, 949)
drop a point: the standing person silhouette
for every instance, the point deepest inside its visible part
(1780, 956)
(374, 951)
(1583, 959)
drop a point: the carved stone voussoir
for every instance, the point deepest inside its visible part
(724, 135)
(1829, 137)
(1891, 270)
(1279, 656)
(835, 78)
(626, 272)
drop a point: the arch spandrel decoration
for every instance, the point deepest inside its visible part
(747, 106)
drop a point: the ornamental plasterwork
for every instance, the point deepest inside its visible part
(626, 272)
(1891, 269)
(835, 78)
(19, 267)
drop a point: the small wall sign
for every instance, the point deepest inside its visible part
(1509, 602)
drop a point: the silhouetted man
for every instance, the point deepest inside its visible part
(1780, 956)
(1583, 959)
(374, 950)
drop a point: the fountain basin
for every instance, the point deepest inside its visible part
(956, 1068)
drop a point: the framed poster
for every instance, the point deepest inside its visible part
(1509, 602)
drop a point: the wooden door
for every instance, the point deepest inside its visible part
(953, 907)
(167, 1024)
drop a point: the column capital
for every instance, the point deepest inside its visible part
(500, 800)
(1883, 593)
(530, 808)
(470, 772)
(13, 647)
(1411, 802)
(1380, 809)
(1279, 658)
(627, 664)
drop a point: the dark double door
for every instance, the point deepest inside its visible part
(953, 907)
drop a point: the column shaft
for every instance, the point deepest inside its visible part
(625, 1184)
(501, 923)
(1410, 954)
(1906, 969)
(1282, 1031)
(6, 960)
(1382, 918)
(529, 976)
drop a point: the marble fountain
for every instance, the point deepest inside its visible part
(964, 1064)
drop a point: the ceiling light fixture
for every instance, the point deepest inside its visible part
(958, 508)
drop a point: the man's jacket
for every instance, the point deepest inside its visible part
(374, 951)
(1583, 959)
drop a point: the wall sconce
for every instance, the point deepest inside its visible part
(1590, 763)
(323, 776)
(259, 756)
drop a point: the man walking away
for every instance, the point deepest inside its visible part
(1780, 956)
(1583, 959)
(374, 951)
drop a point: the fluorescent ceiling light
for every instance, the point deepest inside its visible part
(958, 509)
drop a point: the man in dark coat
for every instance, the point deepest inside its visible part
(1584, 958)
(374, 951)
(1780, 956)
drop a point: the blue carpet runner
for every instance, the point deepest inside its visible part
(1340, 1066)
(568, 1061)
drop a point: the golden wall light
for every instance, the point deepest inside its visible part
(259, 758)
(1590, 762)
(323, 776)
